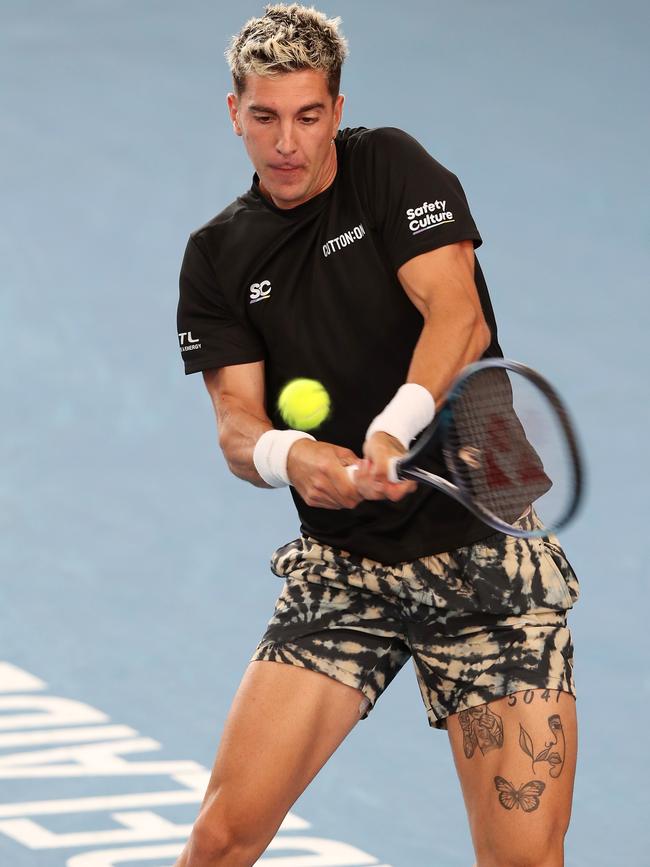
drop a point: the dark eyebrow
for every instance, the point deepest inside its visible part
(263, 109)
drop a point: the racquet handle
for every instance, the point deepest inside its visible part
(351, 469)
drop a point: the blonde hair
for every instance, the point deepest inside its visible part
(286, 38)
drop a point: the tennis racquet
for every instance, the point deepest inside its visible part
(509, 448)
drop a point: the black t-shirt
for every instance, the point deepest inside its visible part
(313, 292)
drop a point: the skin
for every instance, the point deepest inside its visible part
(505, 836)
(288, 123)
(293, 718)
(282, 717)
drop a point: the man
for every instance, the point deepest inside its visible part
(351, 261)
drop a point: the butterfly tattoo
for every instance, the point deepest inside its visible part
(526, 797)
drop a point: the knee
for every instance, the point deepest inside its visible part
(221, 836)
(535, 850)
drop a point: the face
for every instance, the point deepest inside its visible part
(287, 123)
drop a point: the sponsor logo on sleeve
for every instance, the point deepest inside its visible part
(260, 291)
(344, 240)
(428, 215)
(187, 342)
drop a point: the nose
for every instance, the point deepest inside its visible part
(286, 144)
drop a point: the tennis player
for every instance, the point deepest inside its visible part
(351, 260)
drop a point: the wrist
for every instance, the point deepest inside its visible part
(271, 453)
(409, 412)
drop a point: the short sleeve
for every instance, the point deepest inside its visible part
(210, 335)
(418, 205)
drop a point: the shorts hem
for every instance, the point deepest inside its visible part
(340, 675)
(438, 717)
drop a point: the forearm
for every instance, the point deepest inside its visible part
(239, 431)
(444, 347)
(317, 469)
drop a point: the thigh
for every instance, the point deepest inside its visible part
(337, 615)
(516, 760)
(283, 725)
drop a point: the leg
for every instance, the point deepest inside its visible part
(284, 723)
(516, 760)
(494, 661)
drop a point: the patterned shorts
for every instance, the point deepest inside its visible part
(480, 622)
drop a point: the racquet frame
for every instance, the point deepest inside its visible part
(406, 467)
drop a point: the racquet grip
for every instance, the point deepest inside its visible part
(391, 475)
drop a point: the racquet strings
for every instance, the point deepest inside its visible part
(507, 447)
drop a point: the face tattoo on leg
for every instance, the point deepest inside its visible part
(480, 727)
(555, 758)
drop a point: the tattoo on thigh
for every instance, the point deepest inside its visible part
(481, 727)
(555, 757)
(529, 695)
(527, 796)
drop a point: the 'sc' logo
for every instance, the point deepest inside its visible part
(260, 291)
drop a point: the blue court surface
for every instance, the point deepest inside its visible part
(135, 579)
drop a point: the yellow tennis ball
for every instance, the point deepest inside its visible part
(304, 404)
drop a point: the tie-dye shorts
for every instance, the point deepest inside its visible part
(480, 622)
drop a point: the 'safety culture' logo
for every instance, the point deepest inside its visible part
(428, 215)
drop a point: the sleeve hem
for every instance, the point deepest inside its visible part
(430, 244)
(196, 366)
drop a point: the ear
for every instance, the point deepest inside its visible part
(233, 111)
(338, 112)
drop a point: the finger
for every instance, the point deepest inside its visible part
(359, 471)
(323, 495)
(371, 485)
(379, 470)
(397, 491)
(343, 488)
(382, 461)
(370, 491)
(325, 503)
(371, 488)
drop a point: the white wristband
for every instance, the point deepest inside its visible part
(409, 412)
(271, 452)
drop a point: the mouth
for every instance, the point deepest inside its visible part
(286, 168)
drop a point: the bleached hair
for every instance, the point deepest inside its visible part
(288, 37)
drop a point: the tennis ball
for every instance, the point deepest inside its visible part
(304, 404)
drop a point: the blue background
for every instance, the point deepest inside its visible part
(134, 566)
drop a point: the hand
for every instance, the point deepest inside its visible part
(371, 478)
(317, 471)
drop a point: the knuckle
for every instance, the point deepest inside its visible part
(323, 463)
(312, 497)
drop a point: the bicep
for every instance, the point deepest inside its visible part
(441, 281)
(237, 386)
